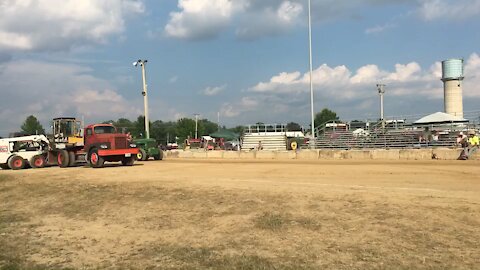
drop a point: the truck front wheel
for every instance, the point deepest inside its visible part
(128, 161)
(96, 161)
(16, 163)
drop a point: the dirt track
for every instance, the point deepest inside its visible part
(221, 214)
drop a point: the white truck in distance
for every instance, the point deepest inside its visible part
(16, 153)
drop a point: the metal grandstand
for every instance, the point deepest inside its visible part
(395, 133)
(390, 135)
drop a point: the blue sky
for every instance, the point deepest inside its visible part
(247, 59)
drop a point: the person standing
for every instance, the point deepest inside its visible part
(461, 140)
(473, 143)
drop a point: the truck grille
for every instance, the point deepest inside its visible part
(121, 143)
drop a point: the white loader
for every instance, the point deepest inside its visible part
(20, 152)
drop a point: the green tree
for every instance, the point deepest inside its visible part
(32, 126)
(163, 132)
(292, 126)
(325, 116)
(138, 128)
(123, 125)
(206, 127)
(185, 127)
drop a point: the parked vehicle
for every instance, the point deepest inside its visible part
(20, 152)
(148, 148)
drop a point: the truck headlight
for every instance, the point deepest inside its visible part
(104, 146)
(132, 145)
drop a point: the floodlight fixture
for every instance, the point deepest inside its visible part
(144, 93)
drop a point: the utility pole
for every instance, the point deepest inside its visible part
(144, 93)
(312, 141)
(381, 92)
(196, 125)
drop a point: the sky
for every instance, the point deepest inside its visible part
(245, 61)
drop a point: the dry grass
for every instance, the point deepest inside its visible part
(49, 221)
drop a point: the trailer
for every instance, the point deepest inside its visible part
(20, 152)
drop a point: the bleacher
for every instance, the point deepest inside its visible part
(274, 137)
(270, 141)
(383, 138)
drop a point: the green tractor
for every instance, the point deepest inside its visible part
(148, 148)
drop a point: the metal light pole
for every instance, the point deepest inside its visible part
(196, 125)
(381, 92)
(312, 142)
(145, 96)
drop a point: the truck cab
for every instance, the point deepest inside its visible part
(103, 143)
(71, 144)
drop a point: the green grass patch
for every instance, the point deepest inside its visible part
(271, 221)
(178, 257)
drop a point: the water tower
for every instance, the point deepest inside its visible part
(452, 77)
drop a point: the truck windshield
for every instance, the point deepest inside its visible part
(104, 130)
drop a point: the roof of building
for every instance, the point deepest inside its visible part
(440, 117)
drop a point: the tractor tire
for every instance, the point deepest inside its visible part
(159, 156)
(37, 162)
(16, 163)
(293, 145)
(96, 161)
(63, 159)
(72, 159)
(142, 155)
(128, 161)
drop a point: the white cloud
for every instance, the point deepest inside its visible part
(408, 72)
(289, 11)
(366, 75)
(379, 28)
(345, 84)
(281, 79)
(212, 91)
(449, 9)
(268, 19)
(228, 110)
(200, 19)
(27, 25)
(253, 19)
(49, 90)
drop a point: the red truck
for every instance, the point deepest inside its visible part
(95, 144)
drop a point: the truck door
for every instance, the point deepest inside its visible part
(88, 137)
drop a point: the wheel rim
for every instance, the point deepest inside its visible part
(38, 162)
(59, 159)
(17, 163)
(94, 158)
(139, 156)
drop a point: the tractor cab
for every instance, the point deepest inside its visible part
(68, 130)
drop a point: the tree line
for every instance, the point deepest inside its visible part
(172, 131)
